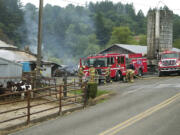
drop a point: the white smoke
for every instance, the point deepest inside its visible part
(32, 30)
(53, 44)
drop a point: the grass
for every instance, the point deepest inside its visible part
(77, 92)
(99, 92)
(102, 92)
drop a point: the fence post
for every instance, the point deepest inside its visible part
(65, 85)
(60, 100)
(85, 94)
(55, 86)
(28, 107)
(74, 84)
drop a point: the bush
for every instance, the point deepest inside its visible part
(91, 90)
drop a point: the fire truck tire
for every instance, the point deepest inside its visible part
(108, 79)
(100, 81)
(140, 72)
(160, 73)
(179, 73)
(124, 79)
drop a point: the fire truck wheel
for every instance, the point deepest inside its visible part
(124, 79)
(140, 73)
(100, 81)
(179, 73)
(160, 73)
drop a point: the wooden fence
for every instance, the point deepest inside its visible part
(61, 96)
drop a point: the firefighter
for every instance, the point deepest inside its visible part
(107, 75)
(130, 73)
(92, 73)
(80, 74)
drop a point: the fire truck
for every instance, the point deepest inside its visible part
(169, 62)
(116, 62)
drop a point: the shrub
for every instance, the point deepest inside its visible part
(91, 90)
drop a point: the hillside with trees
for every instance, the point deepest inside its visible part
(72, 32)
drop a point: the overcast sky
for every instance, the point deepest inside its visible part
(138, 4)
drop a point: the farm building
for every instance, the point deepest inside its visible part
(16, 56)
(4, 45)
(9, 70)
(126, 49)
(19, 57)
(26, 59)
(12, 53)
(49, 68)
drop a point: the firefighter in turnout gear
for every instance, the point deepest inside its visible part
(92, 73)
(107, 75)
(130, 73)
(80, 74)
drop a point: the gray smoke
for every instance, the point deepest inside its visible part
(55, 45)
(32, 31)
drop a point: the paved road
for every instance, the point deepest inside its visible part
(147, 107)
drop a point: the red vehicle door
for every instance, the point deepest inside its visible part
(112, 65)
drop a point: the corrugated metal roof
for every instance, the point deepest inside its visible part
(136, 48)
(15, 63)
(5, 45)
(16, 56)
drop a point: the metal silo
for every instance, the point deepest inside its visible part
(159, 32)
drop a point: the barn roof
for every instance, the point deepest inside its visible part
(5, 45)
(134, 48)
(9, 61)
(16, 56)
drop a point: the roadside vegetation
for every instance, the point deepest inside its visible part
(99, 92)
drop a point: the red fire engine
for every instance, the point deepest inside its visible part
(117, 63)
(169, 63)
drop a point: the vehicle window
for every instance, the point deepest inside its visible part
(112, 60)
(86, 62)
(122, 59)
(169, 55)
(108, 61)
(119, 60)
(83, 61)
(97, 62)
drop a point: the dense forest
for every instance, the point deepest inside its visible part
(74, 31)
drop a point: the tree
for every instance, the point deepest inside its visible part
(176, 27)
(142, 40)
(122, 35)
(11, 16)
(103, 28)
(141, 23)
(177, 43)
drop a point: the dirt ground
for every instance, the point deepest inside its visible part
(23, 112)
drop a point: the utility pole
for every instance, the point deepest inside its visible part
(39, 37)
(38, 63)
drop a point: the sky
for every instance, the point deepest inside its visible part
(138, 4)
